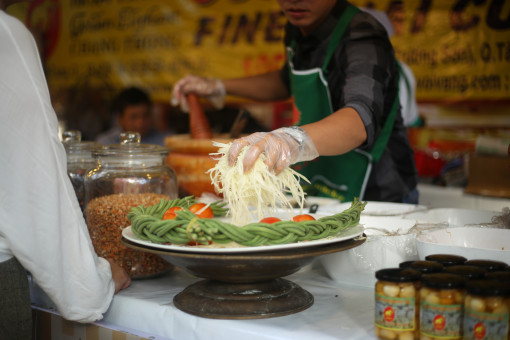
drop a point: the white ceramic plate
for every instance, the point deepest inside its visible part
(470, 242)
(453, 217)
(377, 208)
(342, 236)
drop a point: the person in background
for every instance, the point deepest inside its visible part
(343, 76)
(132, 108)
(42, 229)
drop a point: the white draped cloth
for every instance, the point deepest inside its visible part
(41, 223)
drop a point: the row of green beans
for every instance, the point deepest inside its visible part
(148, 225)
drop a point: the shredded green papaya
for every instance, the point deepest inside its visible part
(258, 192)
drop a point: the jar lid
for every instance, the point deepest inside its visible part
(406, 264)
(446, 259)
(488, 288)
(444, 280)
(130, 146)
(490, 265)
(73, 143)
(471, 272)
(498, 276)
(398, 275)
(427, 267)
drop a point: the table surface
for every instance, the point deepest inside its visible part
(339, 311)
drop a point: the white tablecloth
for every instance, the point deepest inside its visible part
(339, 311)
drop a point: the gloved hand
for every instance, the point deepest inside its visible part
(282, 147)
(210, 88)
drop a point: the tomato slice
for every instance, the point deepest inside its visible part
(198, 209)
(304, 217)
(170, 214)
(270, 220)
(195, 243)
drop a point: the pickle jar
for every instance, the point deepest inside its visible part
(424, 267)
(499, 276)
(487, 310)
(490, 265)
(446, 259)
(396, 303)
(80, 158)
(441, 303)
(127, 175)
(470, 272)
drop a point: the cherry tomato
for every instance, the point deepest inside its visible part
(170, 213)
(206, 213)
(195, 243)
(270, 220)
(304, 217)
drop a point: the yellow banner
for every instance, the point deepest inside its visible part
(152, 43)
(458, 49)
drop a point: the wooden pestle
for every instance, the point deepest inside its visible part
(199, 125)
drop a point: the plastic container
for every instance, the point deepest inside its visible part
(446, 259)
(128, 175)
(396, 303)
(486, 310)
(441, 302)
(80, 159)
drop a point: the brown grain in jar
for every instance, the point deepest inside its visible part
(396, 303)
(441, 301)
(487, 310)
(107, 217)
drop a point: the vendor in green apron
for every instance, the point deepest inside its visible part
(341, 71)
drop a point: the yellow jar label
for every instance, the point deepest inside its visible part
(395, 313)
(441, 321)
(485, 326)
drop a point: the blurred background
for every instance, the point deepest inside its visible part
(458, 53)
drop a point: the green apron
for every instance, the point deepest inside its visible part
(343, 177)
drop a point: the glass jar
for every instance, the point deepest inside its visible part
(128, 174)
(441, 302)
(424, 267)
(487, 310)
(499, 276)
(446, 259)
(470, 272)
(80, 159)
(490, 265)
(396, 303)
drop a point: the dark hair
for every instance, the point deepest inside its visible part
(127, 97)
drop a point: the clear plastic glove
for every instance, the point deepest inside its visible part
(282, 147)
(210, 88)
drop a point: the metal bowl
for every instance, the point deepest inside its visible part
(244, 285)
